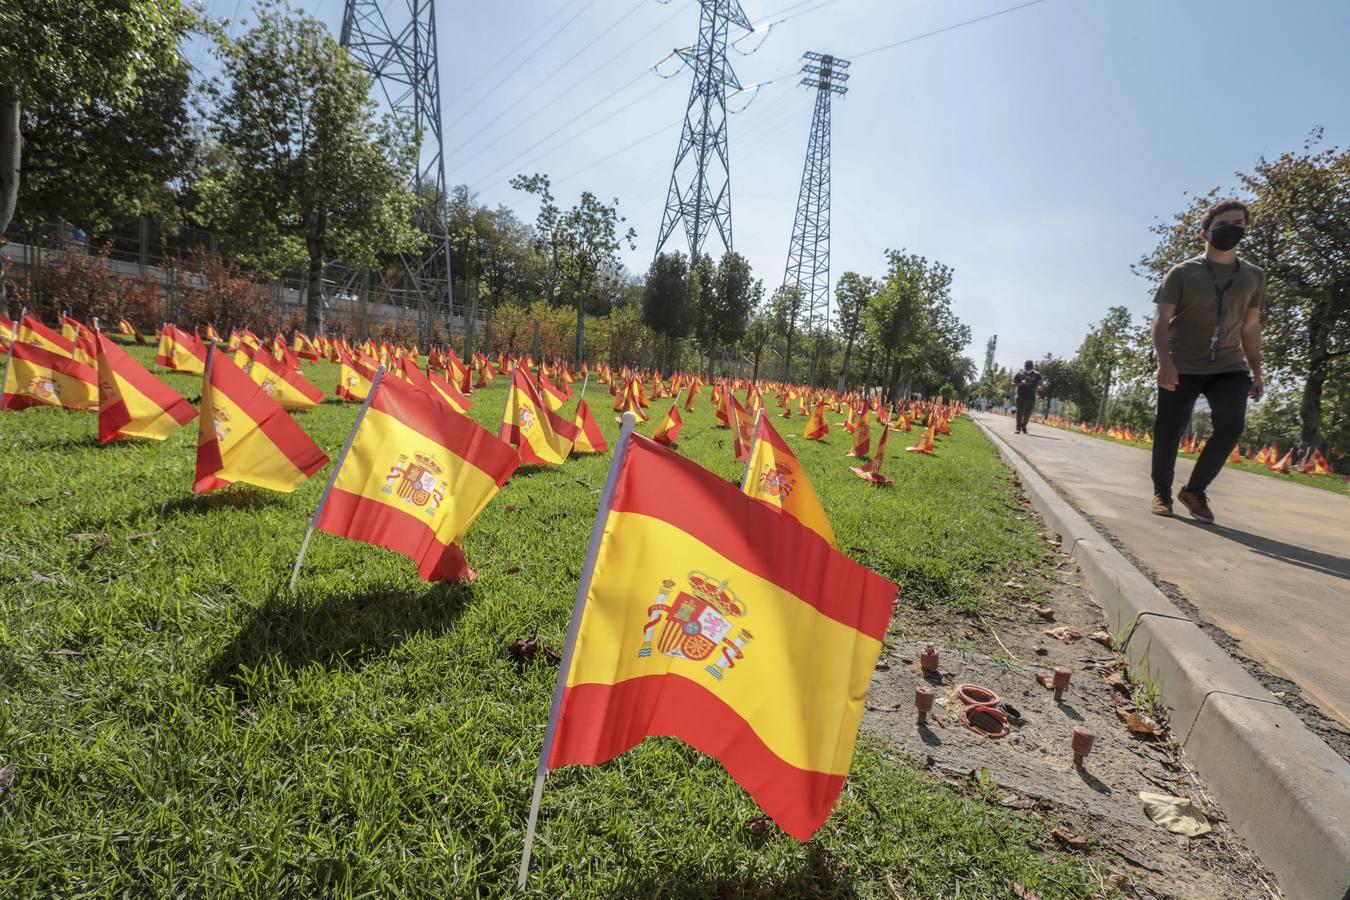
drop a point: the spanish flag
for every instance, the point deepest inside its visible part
(31, 331)
(541, 435)
(354, 376)
(180, 351)
(669, 432)
(132, 403)
(449, 393)
(36, 376)
(6, 332)
(776, 477)
(756, 646)
(414, 478)
(862, 436)
(589, 437)
(281, 382)
(925, 444)
(817, 428)
(305, 348)
(871, 471)
(246, 436)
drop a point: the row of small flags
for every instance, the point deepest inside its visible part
(1312, 462)
(747, 581)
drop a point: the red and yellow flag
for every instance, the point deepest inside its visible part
(31, 331)
(540, 435)
(37, 376)
(415, 477)
(246, 436)
(132, 403)
(925, 444)
(757, 646)
(180, 351)
(589, 437)
(1284, 465)
(862, 436)
(871, 470)
(817, 427)
(669, 430)
(281, 382)
(355, 374)
(7, 328)
(778, 479)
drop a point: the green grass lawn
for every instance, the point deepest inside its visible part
(181, 726)
(1334, 483)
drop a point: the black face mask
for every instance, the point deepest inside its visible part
(1226, 237)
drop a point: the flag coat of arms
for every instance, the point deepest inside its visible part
(132, 403)
(711, 618)
(354, 377)
(415, 477)
(246, 436)
(37, 376)
(774, 476)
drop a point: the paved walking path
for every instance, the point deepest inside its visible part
(1273, 572)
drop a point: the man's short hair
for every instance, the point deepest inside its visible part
(1222, 207)
(1030, 364)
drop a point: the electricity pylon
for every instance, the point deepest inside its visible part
(700, 180)
(808, 260)
(395, 41)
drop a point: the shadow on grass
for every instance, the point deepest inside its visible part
(339, 632)
(234, 497)
(818, 874)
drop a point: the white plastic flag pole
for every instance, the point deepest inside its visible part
(578, 604)
(332, 479)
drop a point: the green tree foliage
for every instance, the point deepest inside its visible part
(1067, 380)
(666, 308)
(95, 163)
(1299, 233)
(851, 296)
(785, 306)
(66, 53)
(911, 324)
(310, 171)
(759, 330)
(1104, 354)
(581, 244)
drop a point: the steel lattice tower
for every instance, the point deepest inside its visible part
(395, 41)
(701, 162)
(989, 349)
(808, 260)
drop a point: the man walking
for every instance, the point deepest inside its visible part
(1207, 334)
(1028, 381)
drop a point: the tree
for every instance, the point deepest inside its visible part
(310, 170)
(666, 309)
(96, 163)
(758, 330)
(72, 51)
(851, 296)
(1104, 352)
(784, 307)
(725, 310)
(910, 322)
(1066, 380)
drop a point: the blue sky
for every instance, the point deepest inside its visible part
(1030, 152)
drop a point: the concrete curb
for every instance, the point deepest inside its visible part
(1280, 786)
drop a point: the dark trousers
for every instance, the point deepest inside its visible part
(1227, 396)
(1024, 407)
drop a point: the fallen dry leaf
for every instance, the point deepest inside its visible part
(82, 536)
(1045, 680)
(1104, 639)
(524, 650)
(1022, 892)
(1068, 838)
(1046, 613)
(6, 778)
(1063, 633)
(64, 651)
(1014, 802)
(513, 570)
(1139, 724)
(1131, 857)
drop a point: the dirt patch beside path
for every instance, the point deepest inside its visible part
(1031, 771)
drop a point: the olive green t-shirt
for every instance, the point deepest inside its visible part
(1190, 288)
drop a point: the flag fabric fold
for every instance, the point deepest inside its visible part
(541, 436)
(669, 430)
(590, 439)
(774, 476)
(756, 647)
(38, 376)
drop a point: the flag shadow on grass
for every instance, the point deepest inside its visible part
(234, 497)
(818, 873)
(341, 632)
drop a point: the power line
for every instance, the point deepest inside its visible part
(549, 104)
(562, 8)
(633, 9)
(944, 30)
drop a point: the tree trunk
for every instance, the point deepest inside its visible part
(581, 329)
(867, 380)
(1310, 407)
(471, 320)
(787, 358)
(314, 290)
(759, 351)
(843, 371)
(11, 145)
